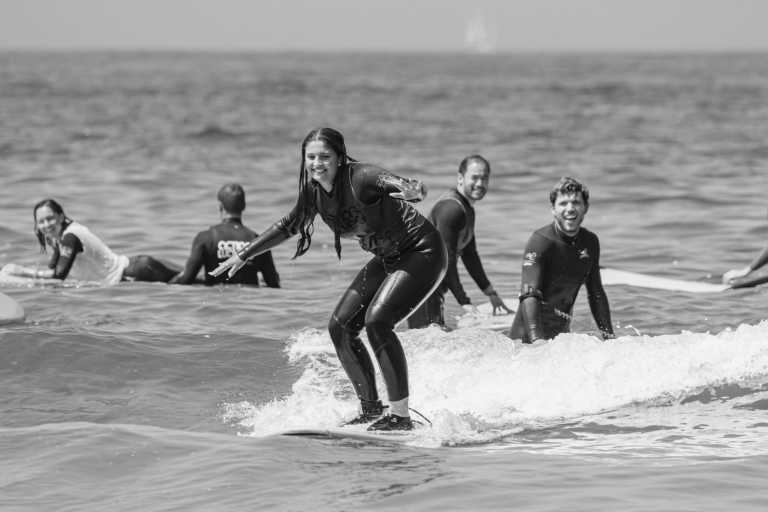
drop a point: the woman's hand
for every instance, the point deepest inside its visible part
(410, 190)
(407, 190)
(233, 263)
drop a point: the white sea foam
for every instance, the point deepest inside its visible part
(477, 385)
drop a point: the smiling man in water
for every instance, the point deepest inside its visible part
(454, 217)
(558, 259)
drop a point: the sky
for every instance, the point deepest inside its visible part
(386, 25)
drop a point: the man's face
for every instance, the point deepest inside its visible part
(569, 211)
(473, 184)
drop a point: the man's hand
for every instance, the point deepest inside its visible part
(498, 305)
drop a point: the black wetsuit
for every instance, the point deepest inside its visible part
(454, 218)
(409, 261)
(219, 242)
(554, 268)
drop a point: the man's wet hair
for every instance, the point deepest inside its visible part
(568, 185)
(473, 158)
(232, 198)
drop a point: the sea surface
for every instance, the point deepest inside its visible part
(153, 397)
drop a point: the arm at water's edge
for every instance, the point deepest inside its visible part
(13, 269)
(759, 261)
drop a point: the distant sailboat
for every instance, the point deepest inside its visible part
(477, 37)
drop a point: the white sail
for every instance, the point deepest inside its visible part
(477, 37)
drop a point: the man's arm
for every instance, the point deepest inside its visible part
(757, 263)
(266, 266)
(194, 262)
(450, 220)
(531, 286)
(471, 259)
(598, 300)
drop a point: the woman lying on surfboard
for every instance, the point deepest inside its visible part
(79, 254)
(409, 260)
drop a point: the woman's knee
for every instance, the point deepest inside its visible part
(341, 332)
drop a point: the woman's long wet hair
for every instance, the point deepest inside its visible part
(57, 209)
(305, 203)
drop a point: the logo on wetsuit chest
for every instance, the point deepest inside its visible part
(227, 248)
(584, 254)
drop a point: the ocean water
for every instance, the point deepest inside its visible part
(155, 397)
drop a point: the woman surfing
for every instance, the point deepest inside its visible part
(368, 203)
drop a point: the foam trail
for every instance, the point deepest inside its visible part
(477, 385)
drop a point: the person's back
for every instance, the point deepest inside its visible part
(217, 243)
(225, 239)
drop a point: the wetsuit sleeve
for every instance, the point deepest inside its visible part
(471, 259)
(194, 262)
(69, 246)
(531, 286)
(598, 300)
(449, 220)
(371, 183)
(276, 234)
(760, 260)
(266, 266)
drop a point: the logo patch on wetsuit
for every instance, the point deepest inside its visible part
(584, 254)
(530, 259)
(65, 251)
(227, 248)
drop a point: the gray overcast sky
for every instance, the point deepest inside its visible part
(392, 25)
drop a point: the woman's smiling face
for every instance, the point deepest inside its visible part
(49, 222)
(322, 163)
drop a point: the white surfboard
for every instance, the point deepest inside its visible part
(10, 310)
(355, 433)
(485, 319)
(9, 279)
(615, 277)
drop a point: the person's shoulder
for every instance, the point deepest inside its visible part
(76, 230)
(546, 232)
(364, 167)
(449, 201)
(588, 236)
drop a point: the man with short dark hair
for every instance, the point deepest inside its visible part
(558, 259)
(219, 242)
(454, 217)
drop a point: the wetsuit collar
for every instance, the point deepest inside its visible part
(464, 199)
(563, 235)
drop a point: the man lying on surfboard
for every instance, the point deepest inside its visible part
(558, 259)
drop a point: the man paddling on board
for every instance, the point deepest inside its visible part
(454, 217)
(219, 242)
(558, 259)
